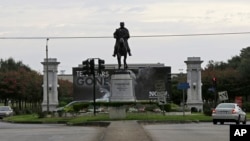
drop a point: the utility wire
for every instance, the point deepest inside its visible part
(136, 36)
(202, 34)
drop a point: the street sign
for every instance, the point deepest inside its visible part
(161, 97)
(212, 89)
(183, 86)
(161, 91)
(223, 95)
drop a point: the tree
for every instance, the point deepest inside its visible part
(65, 91)
(19, 84)
(244, 67)
(244, 70)
(233, 76)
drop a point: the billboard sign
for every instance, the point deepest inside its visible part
(144, 81)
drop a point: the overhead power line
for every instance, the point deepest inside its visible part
(201, 34)
(135, 36)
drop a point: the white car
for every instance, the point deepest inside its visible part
(5, 111)
(228, 112)
(68, 105)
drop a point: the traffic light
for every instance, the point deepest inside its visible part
(92, 66)
(85, 67)
(214, 80)
(101, 66)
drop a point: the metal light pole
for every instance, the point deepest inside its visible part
(47, 76)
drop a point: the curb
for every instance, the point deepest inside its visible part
(89, 123)
(166, 122)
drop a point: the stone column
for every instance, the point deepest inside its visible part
(52, 96)
(194, 93)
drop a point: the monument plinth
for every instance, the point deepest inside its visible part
(122, 87)
(194, 93)
(50, 84)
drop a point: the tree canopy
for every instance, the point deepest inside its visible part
(20, 85)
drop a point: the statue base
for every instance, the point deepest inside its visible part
(52, 106)
(122, 87)
(198, 105)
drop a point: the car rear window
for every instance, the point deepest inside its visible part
(4, 108)
(226, 105)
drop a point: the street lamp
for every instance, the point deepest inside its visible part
(47, 76)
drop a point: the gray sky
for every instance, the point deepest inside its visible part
(97, 18)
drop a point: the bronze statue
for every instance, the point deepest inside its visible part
(121, 45)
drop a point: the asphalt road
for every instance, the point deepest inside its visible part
(48, 132)
(188, 132)
(157, 132)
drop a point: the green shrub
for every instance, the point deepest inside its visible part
(17, 111)
(80, 106)
(150, 107)
(62, 103)
(42, 114)
(120, 104)
(167, 107)
(207, 109)
(246, 106)
(77, 107)
(174, 107)
(60, 113)
(28, 111)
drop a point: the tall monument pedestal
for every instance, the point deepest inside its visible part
(50, 85)
(194, 93)
(122, 87)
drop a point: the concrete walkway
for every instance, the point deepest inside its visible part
(125, 131)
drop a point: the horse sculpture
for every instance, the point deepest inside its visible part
(122, 50)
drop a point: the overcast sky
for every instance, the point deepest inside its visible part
(100, 18)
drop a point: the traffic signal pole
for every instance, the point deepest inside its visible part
(89, 69)
(94, 85)
(92, 71)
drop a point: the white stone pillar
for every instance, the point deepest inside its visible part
(194, 93)
(52, 97)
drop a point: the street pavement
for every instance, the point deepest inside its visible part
(48, 132)
(143, 131)
(125, 131)
(116, 131)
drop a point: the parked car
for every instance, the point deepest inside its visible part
(228, 112)
(68, 105)
(5, 111)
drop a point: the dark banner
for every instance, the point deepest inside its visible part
(144, 80)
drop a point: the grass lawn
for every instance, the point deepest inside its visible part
(33, 118)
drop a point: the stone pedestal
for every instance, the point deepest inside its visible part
(122, 87)
(50, 84)
(194, 93)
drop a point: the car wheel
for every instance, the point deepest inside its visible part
(245, 121)
(214, 121)
(238, 120)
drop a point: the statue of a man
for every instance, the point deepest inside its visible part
(119, 33)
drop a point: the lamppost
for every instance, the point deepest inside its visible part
(47, 76)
